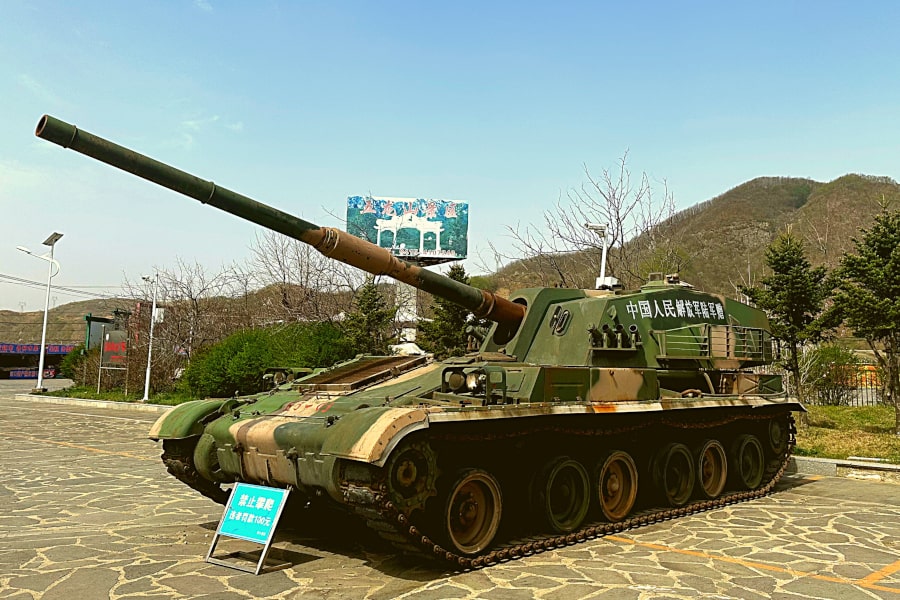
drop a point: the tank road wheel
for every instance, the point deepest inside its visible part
(617, 485)
(712, 469)
(562, 494)
(748, 461)
(472, 512)
(778, 435)
(673, 473)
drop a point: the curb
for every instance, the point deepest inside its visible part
(130, 406)
(829, 467)
(853, 469)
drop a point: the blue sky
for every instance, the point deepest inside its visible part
(500, 104)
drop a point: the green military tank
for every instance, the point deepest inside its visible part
(583, 412)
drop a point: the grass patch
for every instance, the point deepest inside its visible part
(844, 431)
(90, 393)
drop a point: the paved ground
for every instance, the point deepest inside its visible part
(88, 512)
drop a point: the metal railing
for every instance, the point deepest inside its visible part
(715, 341)
(847, 385)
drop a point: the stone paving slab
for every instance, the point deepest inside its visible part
(89, 512)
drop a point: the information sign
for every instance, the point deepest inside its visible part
(251, 514)
(115, 348)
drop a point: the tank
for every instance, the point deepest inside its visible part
(583, 412)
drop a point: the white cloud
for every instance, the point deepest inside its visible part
(187, 141)
(35, 87)
(197, 124)
(203, 5)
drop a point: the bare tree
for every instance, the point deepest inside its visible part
(297, 283)
(196, 308)
(199, 308)
(563, 252)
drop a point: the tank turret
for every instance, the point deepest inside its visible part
(584, 412)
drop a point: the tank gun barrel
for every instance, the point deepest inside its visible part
(330, 241)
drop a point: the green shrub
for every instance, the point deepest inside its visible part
(234, 364)
(70, 367)
(310, 345)
(238, 362)
(832, 374)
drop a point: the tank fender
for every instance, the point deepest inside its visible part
(369, 434)
(185, 420)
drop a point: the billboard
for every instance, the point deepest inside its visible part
(424, 230)
(35, 349)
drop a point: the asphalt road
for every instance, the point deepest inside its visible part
(88, 512)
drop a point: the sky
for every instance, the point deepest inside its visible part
(499, 104)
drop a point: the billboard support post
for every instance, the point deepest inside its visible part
(421, 231)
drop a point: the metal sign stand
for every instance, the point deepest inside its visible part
(251, 514)
(105, 368)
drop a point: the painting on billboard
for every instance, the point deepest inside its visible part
(421, 229)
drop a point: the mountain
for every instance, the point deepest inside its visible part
(65, 323)
(723, 241)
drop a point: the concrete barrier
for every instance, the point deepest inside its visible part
(135, 406)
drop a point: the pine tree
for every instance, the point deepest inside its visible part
(869, 298)
(793, 297)
(368, 327)
(445, 335)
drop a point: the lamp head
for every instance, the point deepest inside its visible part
(23, 249)
(54, 237)
(599, 228)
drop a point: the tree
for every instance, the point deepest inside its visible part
(793, 297)
(868, 297)
(297, 283)
(196, 308)
(369, 325)
(563, 252)
(445, 335)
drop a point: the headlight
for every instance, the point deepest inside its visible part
(456, 380)
(475, 381)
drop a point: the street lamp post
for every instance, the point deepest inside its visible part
(50, 241)
(600, 229)
(150, 346)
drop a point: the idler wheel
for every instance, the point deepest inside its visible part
(748, 462)
(617, 485)
(712, 469)
(673, 473)
(472, 511)
(562, 494)
(412, 471)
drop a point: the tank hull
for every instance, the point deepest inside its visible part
(395, 457)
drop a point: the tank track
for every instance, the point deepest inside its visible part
(370, 501)
(179, 461)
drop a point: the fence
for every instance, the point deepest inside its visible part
(848, 385)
